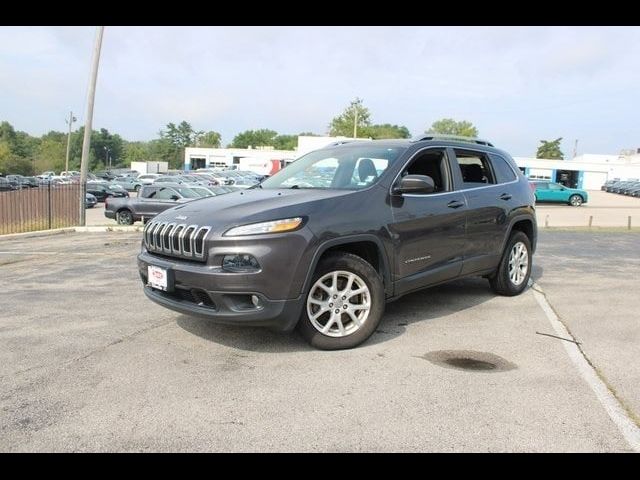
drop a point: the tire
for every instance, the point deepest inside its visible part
(125, 217)
(575, 200)
(351, 272)
(503, 281)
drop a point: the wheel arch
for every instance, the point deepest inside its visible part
(368, 247)
(525, 224)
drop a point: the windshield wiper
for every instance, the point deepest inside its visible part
(294, 186)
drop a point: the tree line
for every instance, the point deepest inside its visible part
(28, 155)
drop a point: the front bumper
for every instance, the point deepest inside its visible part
(224, 308)
(110, 214)
(205, 291)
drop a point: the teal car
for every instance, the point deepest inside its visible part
(555, 192)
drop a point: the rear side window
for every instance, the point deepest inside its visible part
(503, 171)
(148, 192)
(475, 168)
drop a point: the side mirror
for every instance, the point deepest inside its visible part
(415, 184)
(175, 197)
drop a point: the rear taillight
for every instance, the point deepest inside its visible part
(532, 186)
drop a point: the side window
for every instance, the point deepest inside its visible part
(475, 168)
(166, 194)
(542, 186)
(554, 186)
(502, 169)
(148, 192)
(432, 163)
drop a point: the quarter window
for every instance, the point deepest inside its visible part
(504, 173)
(475, 169)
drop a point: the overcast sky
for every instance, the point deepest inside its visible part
(516, 84)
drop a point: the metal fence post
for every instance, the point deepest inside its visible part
(49, 203)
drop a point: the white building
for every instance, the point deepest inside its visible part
(264, 160)
(588, 171)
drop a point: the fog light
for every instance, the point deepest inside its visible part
(255, 300)
(240, 263)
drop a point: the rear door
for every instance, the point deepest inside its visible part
(488, 184)
(428, 229)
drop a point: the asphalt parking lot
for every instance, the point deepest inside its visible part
(89, 364)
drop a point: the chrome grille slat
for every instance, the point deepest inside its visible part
(175, 240)
(166, 237)
(200, 253)
(179, 240)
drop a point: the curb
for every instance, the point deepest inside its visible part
(37, 233)
(59, 231)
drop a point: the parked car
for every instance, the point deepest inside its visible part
(147, 178)
(130, 184)
(151, 200)
(105, 175)
(8, 185)
(325, 242)
(90, 200)
(101, 191)
(557, 193)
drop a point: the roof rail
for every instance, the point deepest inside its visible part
(347, 140)
(437, 136)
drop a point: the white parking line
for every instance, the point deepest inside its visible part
(616, 411)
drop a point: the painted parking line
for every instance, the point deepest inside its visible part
(611, 404)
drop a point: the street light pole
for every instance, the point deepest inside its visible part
(86, 141)
(355, 124)
(70, 122)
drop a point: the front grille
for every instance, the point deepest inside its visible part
(177, 240)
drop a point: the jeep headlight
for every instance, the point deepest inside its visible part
(274, 226)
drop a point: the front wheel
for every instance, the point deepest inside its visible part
(575, 200)
(514, 270)
(125, 217)
(344, 304)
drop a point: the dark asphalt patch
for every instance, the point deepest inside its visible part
(469, 360)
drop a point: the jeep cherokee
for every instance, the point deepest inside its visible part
(327, 241)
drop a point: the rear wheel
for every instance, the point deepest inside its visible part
(344, 304)
(514, 270)
(125, 217)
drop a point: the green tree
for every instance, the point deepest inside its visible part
(448, 126)
(181, 135)
(135, 152)
(162, 150)
(550, 149)
(385, 130)
(254, 138)
(210, 140)
(343, 124)
(285, 142)
(12, 163)
(51, 153)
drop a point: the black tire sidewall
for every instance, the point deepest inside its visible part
(501, 283)
(351, 263)
(129, 216)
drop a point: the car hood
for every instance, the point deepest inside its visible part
(254, 205)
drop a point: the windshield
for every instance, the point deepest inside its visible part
(344, 168)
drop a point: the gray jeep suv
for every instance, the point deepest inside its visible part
(327, 241)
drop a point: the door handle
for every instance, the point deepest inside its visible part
(505, 196)
(455, 204)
